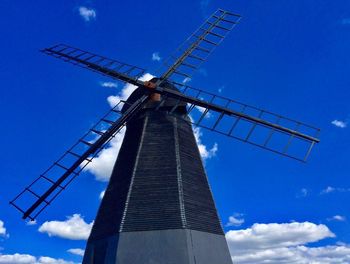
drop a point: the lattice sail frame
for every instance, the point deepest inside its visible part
(94, 62)
(65, 169)
(191, 54)
(246, 123)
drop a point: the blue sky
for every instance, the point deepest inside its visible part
(290, 57)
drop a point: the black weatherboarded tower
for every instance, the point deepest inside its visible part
(158, 207)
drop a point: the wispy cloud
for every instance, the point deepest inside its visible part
(109, 84)
(76, 251)
(339, 123)
(3, 231)
(156, 56)
(235, 220)
(339, 218)
(203, 149)
(74, 228)
(102, 194)
(87, 14)
(331, 189)
(302, 193)
(31, 222)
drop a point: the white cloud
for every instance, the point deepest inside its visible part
(109, 84)
(339, 218)
(284, 243)
(29, 259)
(48, 260)
(331, 189)
(113, 100)
(17, 258)
(203, 150)
(102, 194)
(202, 110)
(339, 123)
(277, 235)
(235, 220)
(297, 255)
(126, 91)
(3, 229)
(31, 222)
(74, 228)
(87, 13)
(156, 57)
(76, 251)
(102, 165)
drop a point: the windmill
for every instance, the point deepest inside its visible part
(158, 206)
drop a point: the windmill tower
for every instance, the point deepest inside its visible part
(158, 207)
(158, 199)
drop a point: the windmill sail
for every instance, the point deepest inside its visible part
(105, 66)
(45, 188)
(190, 55)
(246, 123)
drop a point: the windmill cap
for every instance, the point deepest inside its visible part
(167, 105)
